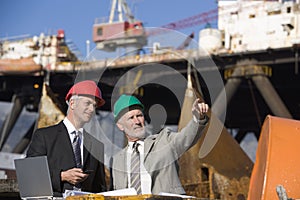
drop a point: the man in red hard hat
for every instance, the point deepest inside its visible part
(86, 88)
(68, 146)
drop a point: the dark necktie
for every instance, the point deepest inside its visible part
(135, 169)
(76, 148)
(77, 155)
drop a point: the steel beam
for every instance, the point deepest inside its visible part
(231, 86)
(11, 119)
(23, 144)
(271, 97)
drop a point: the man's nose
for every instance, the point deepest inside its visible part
(136, 120)
(91, 107)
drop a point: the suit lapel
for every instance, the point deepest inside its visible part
(148, 145)
(87, 146)
(148, 158)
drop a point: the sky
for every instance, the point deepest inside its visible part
(76, 18)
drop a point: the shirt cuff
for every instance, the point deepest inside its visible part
(200, 121)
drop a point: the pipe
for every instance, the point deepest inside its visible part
(22, 145)
(271, 96)
(229, 90)
(11, 119)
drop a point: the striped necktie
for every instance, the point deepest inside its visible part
(135, 176)
(77, 150)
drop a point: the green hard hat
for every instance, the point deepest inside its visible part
(124, 103)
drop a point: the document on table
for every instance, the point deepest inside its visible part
(122, 192)
(175, 195)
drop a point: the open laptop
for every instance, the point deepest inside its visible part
(34, 178)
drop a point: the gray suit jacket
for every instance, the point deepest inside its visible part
(161, 153)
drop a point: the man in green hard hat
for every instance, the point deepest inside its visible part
(149, 163)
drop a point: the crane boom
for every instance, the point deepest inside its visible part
(127, 11)
(112, 11)
(122, 6)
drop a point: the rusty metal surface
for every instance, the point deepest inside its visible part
(8, 185)
(224, 173)
(49, 111)
(9, 189)
(19, 66)
(129, 61)
(132, 197)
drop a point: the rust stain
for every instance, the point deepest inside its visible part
(19, 66)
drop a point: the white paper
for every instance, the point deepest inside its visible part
(122, 192)
(74, 192)
(175, 195)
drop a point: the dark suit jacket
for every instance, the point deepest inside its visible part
(54, 142)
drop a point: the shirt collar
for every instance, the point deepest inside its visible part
(141, 145)
(70, 126)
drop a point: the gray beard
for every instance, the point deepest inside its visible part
(140, 135)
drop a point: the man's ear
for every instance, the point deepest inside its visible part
(72, 104)
(120, 126)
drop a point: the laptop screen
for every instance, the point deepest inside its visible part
(33, 177)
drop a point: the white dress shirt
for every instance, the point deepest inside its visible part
(71, 129)
(145, 176)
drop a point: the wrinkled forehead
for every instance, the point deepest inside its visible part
(128, 109)
(131, 113)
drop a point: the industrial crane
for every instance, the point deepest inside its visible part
(194, 20)
(127, 33)
(131, 33)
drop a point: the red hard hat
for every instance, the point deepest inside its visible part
(88, 88)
